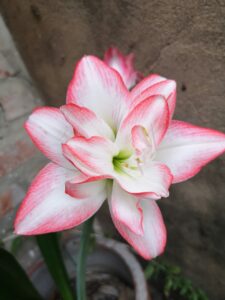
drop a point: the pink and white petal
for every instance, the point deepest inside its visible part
(152, 180)
(124, 65)
(113, 55)
(48, 129)
(165, 88)
(116, 60)
(186, 148)
(133, 76)
(171, 100)
(91, 156)
(83, 190)
(99, 88)
(85, 122)
(152, 114)
(83, 178)
(126, 209)
(146, 83)
(47, 208)
(140, 140)
(152, 243)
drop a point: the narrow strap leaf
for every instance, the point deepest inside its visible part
(14, 282)
(49, 246)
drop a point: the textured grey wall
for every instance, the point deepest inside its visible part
(183, 40)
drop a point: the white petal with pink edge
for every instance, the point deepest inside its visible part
(152, 180)
(152, 114)
(48, 129)
(141, 141)
(187, 148)
(126, 209)
(85, 122)
(91, 156)
(165, 88)
(83, 190)
(124, 65)
(153, 240)
(47, 208)
(99, 88)
(146, 83)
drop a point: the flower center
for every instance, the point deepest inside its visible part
(130, 162)
(127, 163)
(122, 161)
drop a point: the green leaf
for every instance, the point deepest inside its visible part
(172, 280)
(202, 295)
(168, 286)
(149, 271)
(49, 246)
(14, 282)
(174, 270)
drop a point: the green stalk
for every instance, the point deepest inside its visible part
(51, 252)
(85, 242)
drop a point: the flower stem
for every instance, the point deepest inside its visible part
(81, 259)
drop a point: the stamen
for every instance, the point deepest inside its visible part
(140, 164)
(153, 141)
(145, 146)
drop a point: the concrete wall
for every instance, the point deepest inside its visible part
(19, 159)
(183, 40)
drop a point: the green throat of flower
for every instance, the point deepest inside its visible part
(121, 162)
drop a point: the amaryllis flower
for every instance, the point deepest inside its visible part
(109, 143)
(124, 65)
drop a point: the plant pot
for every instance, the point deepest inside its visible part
(113, 272)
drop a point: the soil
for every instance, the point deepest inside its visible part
(105, 287)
